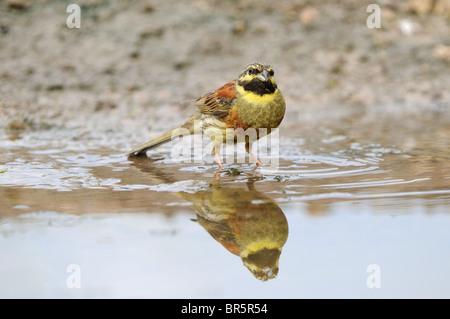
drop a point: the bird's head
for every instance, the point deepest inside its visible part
(258, 78)
(263, 263)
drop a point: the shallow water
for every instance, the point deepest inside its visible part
(317, 226)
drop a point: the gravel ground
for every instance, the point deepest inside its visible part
(134, 67)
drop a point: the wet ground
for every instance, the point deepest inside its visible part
(357, 205)
(152, 227)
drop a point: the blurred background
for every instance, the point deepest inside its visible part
(364, 175)
(136, 66)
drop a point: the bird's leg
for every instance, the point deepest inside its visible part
(217, 156)
(258, 163)
(248, 148)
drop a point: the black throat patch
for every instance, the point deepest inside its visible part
(259, 87)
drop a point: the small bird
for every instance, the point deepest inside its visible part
(253, 101)
(246, 222)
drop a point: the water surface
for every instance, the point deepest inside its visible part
(151, 227)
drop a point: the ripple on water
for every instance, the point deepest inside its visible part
(351, 171)
(52, 175)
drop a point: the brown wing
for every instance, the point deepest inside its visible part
(221, 232)
(219, 102)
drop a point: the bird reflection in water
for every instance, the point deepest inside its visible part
(246, 222)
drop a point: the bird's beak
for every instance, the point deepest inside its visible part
(263, 76)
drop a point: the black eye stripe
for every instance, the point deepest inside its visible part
(255, 69)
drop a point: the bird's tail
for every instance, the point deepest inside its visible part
(163, 138)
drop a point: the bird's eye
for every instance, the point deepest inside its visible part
(251, 71)
(271, 73)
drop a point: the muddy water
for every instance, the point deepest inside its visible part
(337, 218)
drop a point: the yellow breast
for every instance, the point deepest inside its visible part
(266, 111)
